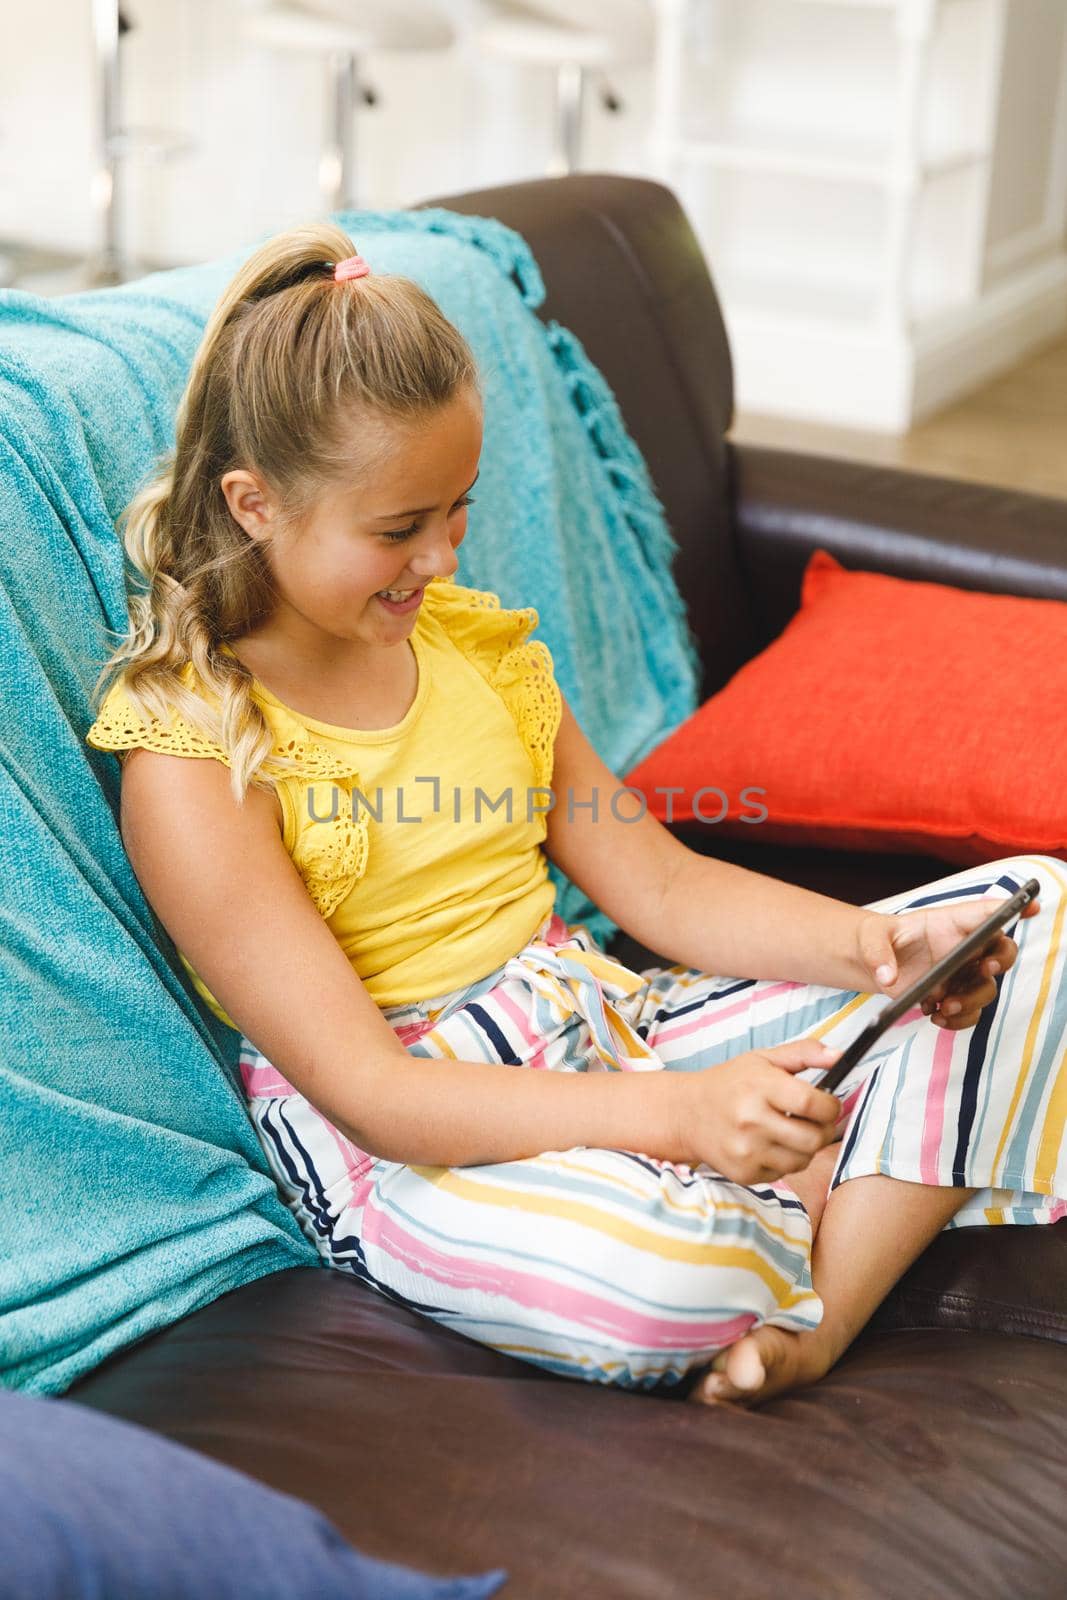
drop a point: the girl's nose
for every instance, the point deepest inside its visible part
(438, 559)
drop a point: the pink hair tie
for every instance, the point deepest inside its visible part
(353, 267)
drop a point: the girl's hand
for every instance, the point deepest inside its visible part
(751, 1119)
(897, 949)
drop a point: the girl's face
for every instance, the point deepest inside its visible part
(394, 530)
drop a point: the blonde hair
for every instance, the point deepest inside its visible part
(288, 355)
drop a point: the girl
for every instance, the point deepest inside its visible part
(343, 774)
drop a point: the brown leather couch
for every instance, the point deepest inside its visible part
(933, 1460)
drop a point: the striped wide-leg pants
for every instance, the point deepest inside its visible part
(621, 1268)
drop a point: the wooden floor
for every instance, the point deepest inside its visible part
(1013, 431)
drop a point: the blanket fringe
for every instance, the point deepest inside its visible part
(643, 510)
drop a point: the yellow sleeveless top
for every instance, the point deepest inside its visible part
(402, 835)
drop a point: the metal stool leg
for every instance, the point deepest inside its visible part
(337, 169)
(109, 264)
(570, 97)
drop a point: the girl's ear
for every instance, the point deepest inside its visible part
(248, 502)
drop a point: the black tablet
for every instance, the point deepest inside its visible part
(973, 945)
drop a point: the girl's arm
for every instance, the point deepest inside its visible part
(690, 908)
(222, 884)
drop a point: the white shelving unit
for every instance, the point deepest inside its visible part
(836, 158)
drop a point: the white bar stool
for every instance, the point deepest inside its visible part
(579, 38)
(342, 33)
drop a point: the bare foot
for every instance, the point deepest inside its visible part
(766, 1362)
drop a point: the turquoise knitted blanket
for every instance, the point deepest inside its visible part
(132, 1188)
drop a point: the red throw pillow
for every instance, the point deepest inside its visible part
(889, 715)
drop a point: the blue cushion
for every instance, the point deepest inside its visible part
(94, 1508)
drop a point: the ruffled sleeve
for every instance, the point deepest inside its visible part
(119, 726)
(327, 844)
(497, 641)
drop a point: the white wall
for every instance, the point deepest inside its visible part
(44, 121)
(1028, 201)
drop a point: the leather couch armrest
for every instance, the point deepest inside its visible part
(906, 524)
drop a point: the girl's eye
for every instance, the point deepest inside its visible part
(406, 533)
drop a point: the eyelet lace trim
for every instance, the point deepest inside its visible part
(331, 855)
(519, 668)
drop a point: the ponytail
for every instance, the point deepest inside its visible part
(288, 364)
